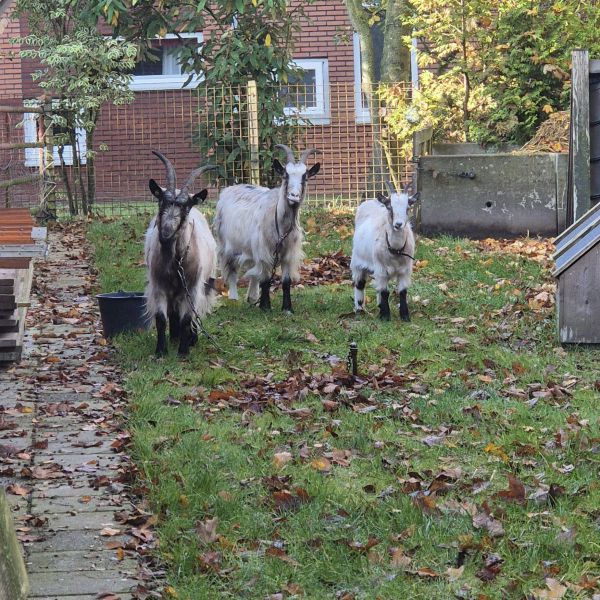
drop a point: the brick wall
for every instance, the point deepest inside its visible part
(167, 120)
(10, 64)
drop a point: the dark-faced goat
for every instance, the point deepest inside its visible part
(383, 247)
(180, 254)
(257, 228)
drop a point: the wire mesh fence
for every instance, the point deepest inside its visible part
(358, 148)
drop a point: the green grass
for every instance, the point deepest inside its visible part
(201, 458)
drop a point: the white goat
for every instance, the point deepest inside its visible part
(258, 227)
(180, 254)
(383, 247)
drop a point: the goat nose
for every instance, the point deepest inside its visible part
(398, 225)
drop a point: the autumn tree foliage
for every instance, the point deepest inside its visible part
(493, 71)
(243, 40)
(80, 70)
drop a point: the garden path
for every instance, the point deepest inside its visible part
(61, 440)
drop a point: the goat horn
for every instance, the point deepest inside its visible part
(195, 173)
(308, 152)
(170, 170)
(390, 186)
(289, 152)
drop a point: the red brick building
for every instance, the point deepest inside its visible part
(165, 116)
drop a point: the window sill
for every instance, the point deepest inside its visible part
(146, 83)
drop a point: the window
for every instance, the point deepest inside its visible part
(164, 73)
(32, 155)
(363, 114)
(308, 96)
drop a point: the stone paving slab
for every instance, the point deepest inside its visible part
(73, 504)
(81, 521)
(71, 561)
(80, 582)
(90, 597)
(76, 488)
(78, 540)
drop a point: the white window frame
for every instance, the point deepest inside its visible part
(363, 114)
(319, 114)
(32, 155)
(143, 83)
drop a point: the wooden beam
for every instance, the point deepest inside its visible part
(21, 109)
(21, 145)
(20, 180)
(580, 134)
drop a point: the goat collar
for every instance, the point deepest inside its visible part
(397, 251)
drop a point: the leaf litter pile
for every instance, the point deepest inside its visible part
(461, 462)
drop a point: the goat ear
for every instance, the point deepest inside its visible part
(278, 168)
(412, 199)
(383, 198)
(155, 189)
(198, 198)
(313, 170)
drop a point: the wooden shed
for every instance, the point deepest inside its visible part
(20, 242)
(577, 269)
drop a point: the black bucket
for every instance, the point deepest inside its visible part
(122, 311)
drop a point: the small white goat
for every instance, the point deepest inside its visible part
(258, 227)
(383, 247)
(180, 254)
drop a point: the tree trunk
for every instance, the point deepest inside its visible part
(465, 70)
(91, 167)
(395, 60)
(77, 169)
(395, 67)
(67, 184)
(360, 21)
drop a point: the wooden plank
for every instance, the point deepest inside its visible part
(580, 135)
(22, 250)
(14, 584)
(20, 181)
(11, 355)
(7, 325)
(8, 343)
(4, 108)
(579, 301)
(21, 145)
(7, 302)
(14, 262)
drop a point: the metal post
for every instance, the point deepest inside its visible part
(353, 359)
(253, 137)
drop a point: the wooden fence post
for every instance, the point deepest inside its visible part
(13, 577)
(579, 154)
(253, 137)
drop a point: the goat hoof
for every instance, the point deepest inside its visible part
(161, 353)
(384, 317)
(287, 311)
(405, 318)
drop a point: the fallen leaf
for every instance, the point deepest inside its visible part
(555, 590)
(281, 458)
(207, 530)
(110, 531)
(321, 464)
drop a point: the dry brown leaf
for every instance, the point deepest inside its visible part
(207, 530)
(281, 458)
(110, 531)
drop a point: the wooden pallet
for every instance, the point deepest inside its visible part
(20, 242)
